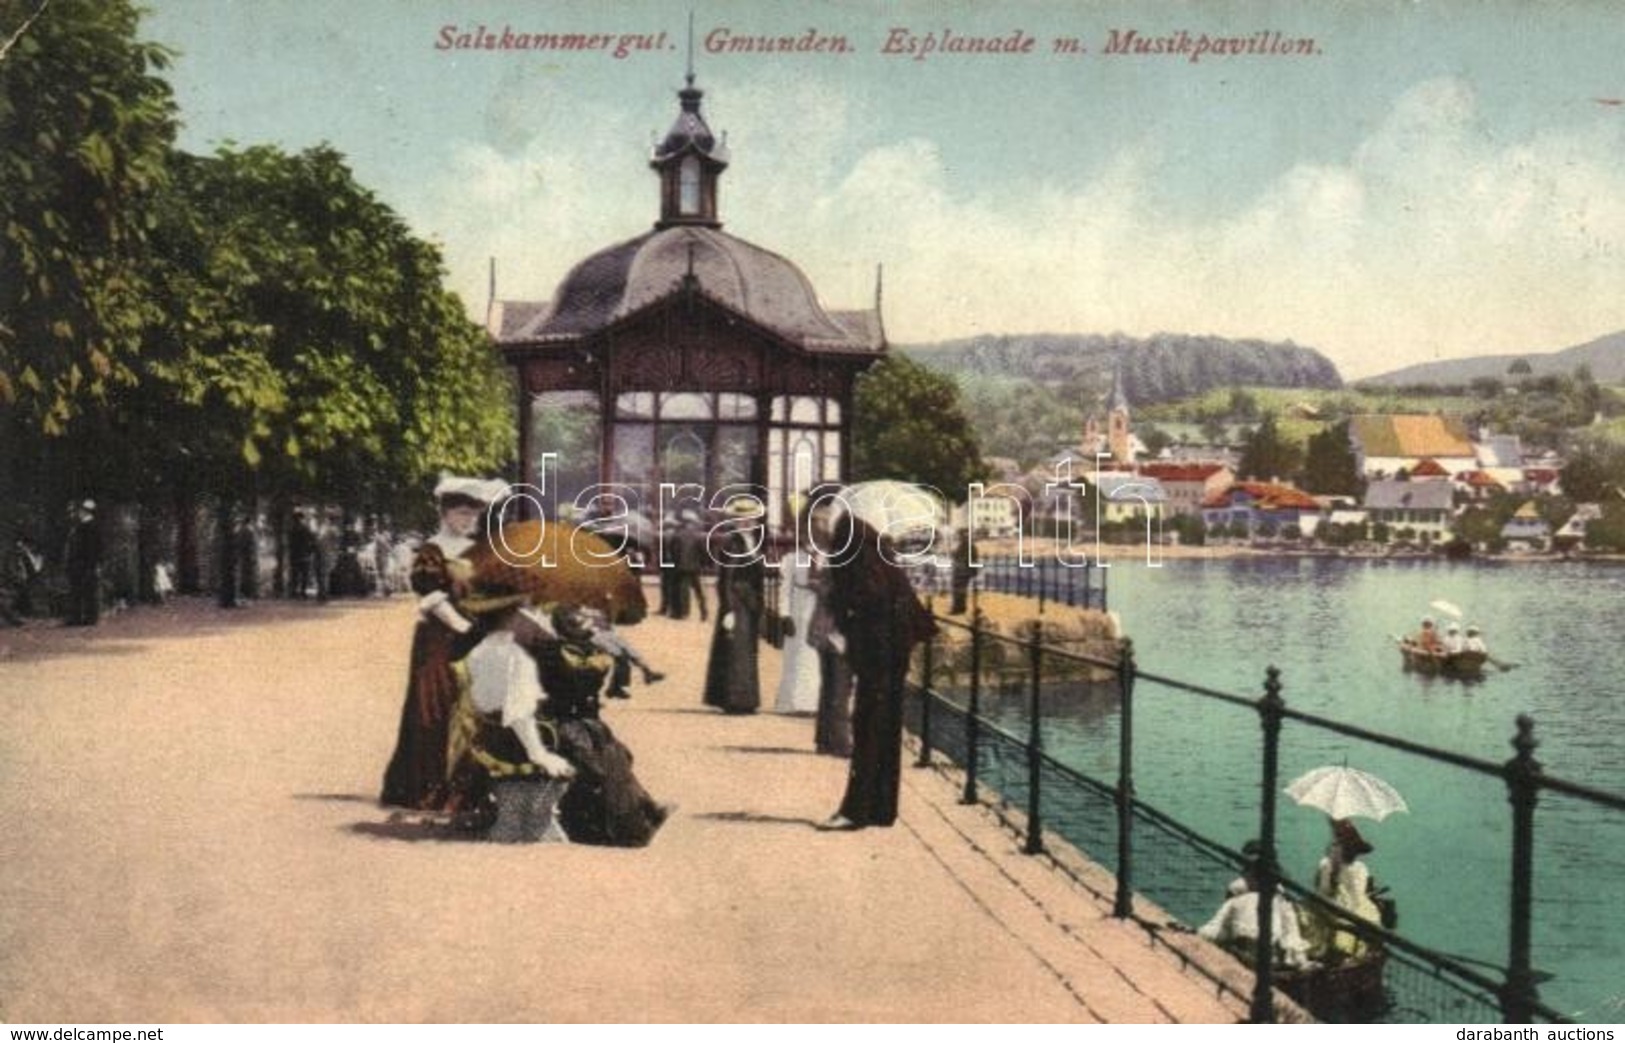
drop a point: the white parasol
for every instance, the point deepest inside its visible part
(1448, 608)
(899, 510)
(1344, 792)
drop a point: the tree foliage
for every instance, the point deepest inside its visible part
(909, 425)
(1595, 470)
(85, 125)
(306, 337)
(1329, 466)
(1268, 456)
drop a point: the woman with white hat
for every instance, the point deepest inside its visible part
(417, 773)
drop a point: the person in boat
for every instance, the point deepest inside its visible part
(1345, 881)
(1427, 639)
(1235, 926)
(1474, 642)
(1453, 641)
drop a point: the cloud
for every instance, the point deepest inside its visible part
(1431, 238)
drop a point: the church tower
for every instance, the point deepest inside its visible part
(1117, 421)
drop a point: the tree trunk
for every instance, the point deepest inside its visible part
(226, 553)
(146, 552)
(186, 564)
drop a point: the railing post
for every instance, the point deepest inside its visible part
(1105, 574)
(1088, 585)
(1270, 712)
(1043, 577)
(1035, 743)
(926, 668)
(974, 709)
(1123, 905)
(1518, 994)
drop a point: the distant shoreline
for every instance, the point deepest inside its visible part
(1129, 551)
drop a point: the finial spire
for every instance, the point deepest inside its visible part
(689, 77)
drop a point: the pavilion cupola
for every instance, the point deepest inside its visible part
(689, 161)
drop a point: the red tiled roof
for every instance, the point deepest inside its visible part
(1543, 475)
(1481, 479)
(1266, 496)
(1173, 472)
(1429, 468)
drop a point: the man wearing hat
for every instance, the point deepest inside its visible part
(1474, 642)
(82, 562)
(1235, 925)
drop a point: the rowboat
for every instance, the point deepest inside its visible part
(1462, 665)
(1351, 991)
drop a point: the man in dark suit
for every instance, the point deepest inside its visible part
(82, 562)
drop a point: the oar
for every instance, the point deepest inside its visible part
(1501, 664)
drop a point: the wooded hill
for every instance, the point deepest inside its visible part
(1160, 368)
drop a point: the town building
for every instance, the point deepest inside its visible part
(1386, 444)
(1188, 485)
(1425, 507)
(1260, 508)
(1526, 529)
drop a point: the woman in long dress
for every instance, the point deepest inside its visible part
(799, 580)
(731, 681)
(418, 773)
(605, 804)
(1344, 880)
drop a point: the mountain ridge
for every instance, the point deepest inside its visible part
(1604, 355)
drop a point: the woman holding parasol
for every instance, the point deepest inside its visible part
(417, 775)
(577, 576)
(1344, 793)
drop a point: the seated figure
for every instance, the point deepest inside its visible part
(1235, 925)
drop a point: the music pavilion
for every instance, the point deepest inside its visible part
(685, 355)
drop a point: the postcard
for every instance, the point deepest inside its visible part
(433, 423)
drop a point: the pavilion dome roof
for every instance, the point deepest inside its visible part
(756, 283)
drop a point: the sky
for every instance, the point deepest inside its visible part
(1431, 180)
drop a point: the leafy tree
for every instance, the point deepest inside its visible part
(1594, 468)
(1608, 532)
(1266, 455)
(1155, 440)
(1329, 466)
(909, 424)
(1520, 368)
(307, 346)
(1243, 405)
(1189, 527)
(85, 127)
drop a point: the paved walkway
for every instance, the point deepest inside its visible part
(188, 833)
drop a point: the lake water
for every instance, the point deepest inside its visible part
(1327, 624)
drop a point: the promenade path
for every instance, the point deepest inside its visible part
(188, 832)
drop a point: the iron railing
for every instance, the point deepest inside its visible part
(1044, 579)
(1116, 829)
